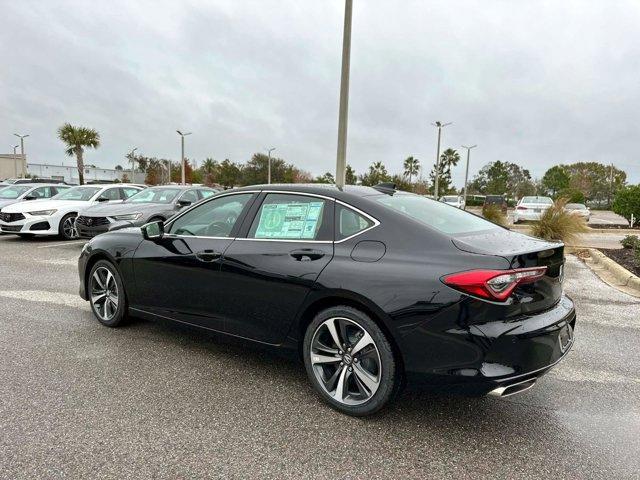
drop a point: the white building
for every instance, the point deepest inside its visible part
(12, 165)
(69, 173)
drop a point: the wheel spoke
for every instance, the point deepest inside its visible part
(365, 378)
(339, 393)
(99, 296)
(331, 326)
(98, 280)
(317, 359)
(109, 278)
(364, 341)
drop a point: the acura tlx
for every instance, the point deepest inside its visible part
(373, 288)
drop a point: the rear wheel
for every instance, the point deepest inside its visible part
(106, 294)
(67, 229)
(350, 361)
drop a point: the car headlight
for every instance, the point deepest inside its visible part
(42, 212)
(128, 216)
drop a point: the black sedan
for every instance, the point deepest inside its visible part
(372, 287)
(149, 205)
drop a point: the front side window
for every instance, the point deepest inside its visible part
(111, 194)
(349, 222)
(83, 194)
(292, 217)
(434, 214)
(215, 218)
(41, 192)
(189, 196)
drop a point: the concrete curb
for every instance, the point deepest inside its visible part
(613, 273)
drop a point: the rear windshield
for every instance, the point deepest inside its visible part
(544, 200)
(443, 217)
(11, 193)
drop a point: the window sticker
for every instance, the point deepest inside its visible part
(289, 220)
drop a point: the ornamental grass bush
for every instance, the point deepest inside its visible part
(557, 223)
(494, 214)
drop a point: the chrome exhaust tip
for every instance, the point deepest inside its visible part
(513, 389)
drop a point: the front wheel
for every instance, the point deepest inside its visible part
(350, 362)
(106, 294)
(67, 229)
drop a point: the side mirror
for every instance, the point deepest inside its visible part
(102, 199)
(30, 197)
(153, 230)
(183, 203)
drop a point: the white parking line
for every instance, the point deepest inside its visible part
(62, 244)
(58, 298)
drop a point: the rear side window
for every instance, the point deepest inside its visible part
(207, 193)
(434, 214)
(349, 222)
(41, 192)
(189, 196)
(293, 217)
(129, 192)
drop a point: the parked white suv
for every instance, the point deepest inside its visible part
(531, 208)
(57, 215)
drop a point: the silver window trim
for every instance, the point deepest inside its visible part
(375, 221)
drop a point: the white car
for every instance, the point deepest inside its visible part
(531, 208)
(453, 200)
(57, 215)
(28, 191)
(579, 209)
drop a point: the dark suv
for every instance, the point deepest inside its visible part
(499, 201)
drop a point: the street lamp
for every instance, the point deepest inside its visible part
(182, 135)
(341, 160)
(24, 160)
(269, 150)
(132, 158)
(466, 173)
(439, 126)
(14, 148)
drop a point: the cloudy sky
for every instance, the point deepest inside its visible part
(532, 82)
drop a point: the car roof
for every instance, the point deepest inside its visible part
(325, 189)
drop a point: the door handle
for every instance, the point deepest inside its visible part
(306, 254)
(208, 255)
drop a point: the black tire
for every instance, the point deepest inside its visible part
(119, 317)
(388, 374)
(63, 232)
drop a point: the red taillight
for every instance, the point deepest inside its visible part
(494, 285)
(521, 208)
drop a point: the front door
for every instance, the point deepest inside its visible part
(268, 273)
(178, 276)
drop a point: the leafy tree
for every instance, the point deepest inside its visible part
(209, 170)
(350, 177)
(118, 167)
(499, 178)
(595, 180)
(229, 174)
(448, 159)
(377, 174)
(627, 202)
(555, 179)
(77, 139)
(326, 178)
(401, 183)
(154, 172)
(411, 167)
(176, 172)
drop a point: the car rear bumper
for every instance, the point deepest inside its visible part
(519, 215)
(482, 358)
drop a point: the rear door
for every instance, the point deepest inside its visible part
(285, 242)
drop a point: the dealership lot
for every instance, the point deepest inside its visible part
(159, 400)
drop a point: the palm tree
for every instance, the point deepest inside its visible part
(209, 165)
(77, 139)
(411, 167)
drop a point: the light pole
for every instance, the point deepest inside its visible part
(439, 126)
(132, 158)
(341, 160)
(24, 160)
(269, 150)
(466, 173)
(182, 135)
(14, 148)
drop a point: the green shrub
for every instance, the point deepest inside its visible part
(627, 201)
(630, 241)
(494, 214)
(558, 224)
(573, 195)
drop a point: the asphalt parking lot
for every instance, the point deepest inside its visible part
(79, 400)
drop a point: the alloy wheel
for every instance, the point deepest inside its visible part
(346, 361)
(104, 293)
(69, 228)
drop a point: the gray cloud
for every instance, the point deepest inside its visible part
(536, 83)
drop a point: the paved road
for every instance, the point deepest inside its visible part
(156, 400)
